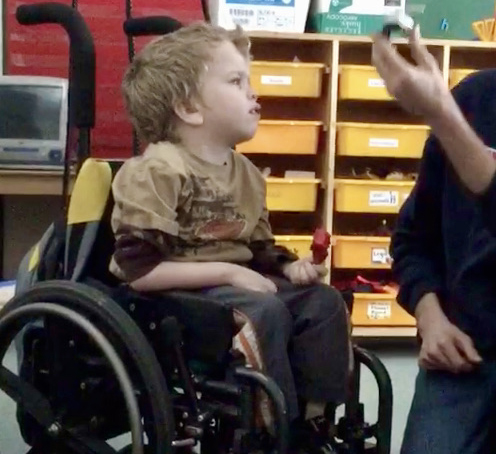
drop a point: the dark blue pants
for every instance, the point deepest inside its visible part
(303, 332)
(453, 414)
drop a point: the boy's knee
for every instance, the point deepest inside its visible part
(274, 309)
(274, 313)
(329, 303)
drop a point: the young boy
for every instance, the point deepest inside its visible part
(190, 213)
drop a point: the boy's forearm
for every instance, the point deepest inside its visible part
(465, 150)
(185, 275)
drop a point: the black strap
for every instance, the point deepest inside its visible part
(26, 395)
(80, 444)
(206, 13)
(38, 406)
(70, 443)
(130, 55)
(51, 265)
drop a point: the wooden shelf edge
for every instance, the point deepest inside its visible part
(319, 37)
(30, 182)
(384, 331)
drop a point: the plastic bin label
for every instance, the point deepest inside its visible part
(383, 198)
(376, 83)
(378, 310)
(276, 80)
(267, 3)
(263, 14)
(384, 143)
(380, 256)
(273, 193)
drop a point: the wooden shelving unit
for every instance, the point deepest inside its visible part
(369, 205)
(326, 165)
(397, 332)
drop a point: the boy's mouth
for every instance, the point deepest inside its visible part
(255, 110)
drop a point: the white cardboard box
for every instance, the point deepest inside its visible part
(260, 15)
(362, 7)
(352, 17)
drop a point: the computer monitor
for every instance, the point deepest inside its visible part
(33, 121)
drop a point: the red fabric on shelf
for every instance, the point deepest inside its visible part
(43, 50)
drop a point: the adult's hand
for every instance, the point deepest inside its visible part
(444, 345)
(420, 88)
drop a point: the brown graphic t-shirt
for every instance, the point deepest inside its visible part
(172, 205)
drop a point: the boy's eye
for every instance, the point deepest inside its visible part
(236, 81)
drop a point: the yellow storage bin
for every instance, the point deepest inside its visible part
(299, 244)
(304, 80)
(291, 194)
(377, 309)
(381, 140)
(370, 196)
(284, 137)
(457, 75)
(356, 252)
(361, 82)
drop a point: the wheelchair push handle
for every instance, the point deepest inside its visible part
(82, 55)
(152, 25)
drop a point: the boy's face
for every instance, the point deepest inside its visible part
(229, 106)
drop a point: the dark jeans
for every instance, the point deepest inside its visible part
(304, 338)
(453, 414)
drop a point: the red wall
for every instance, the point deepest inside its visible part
(43, 50)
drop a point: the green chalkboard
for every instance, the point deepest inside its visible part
(457, 14)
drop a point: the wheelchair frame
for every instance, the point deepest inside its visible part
(173, 421)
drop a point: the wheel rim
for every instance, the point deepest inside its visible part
(97, 307)
(11, 321)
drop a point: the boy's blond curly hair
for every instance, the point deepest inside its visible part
(168, 72)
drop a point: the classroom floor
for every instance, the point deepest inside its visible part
(399, 360)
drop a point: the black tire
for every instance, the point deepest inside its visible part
(125, 336)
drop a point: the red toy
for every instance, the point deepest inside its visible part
(320, 245)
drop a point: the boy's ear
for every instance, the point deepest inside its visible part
(189, 113)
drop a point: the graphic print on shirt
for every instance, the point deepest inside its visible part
(213, 215)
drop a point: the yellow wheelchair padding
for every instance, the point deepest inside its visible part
(34, 259)
(90, 193)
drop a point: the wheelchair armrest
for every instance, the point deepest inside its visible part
(207, 326)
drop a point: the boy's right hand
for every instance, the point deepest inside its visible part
(444, 345)
(248, 279)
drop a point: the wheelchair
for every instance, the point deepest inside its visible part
(98, 360)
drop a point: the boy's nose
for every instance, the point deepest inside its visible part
(251, 93)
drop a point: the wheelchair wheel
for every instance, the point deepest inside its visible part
(86, 306)
(352, 428)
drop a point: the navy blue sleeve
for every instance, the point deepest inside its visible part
(476, 96)
(487, 204)
(417, 243)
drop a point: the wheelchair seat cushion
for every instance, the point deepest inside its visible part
(207, 326)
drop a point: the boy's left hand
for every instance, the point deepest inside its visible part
(303, 272)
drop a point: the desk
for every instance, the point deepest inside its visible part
(29, 201)
(30, 182)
